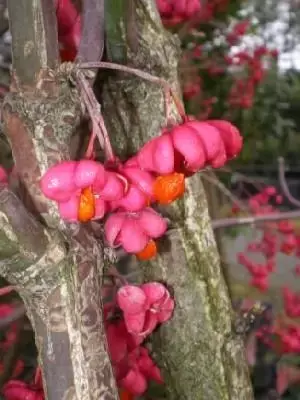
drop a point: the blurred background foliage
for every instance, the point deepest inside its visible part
(271, 123)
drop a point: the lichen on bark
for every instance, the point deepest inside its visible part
(201, 356)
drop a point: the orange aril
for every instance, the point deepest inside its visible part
(125, 395)
(86, 210)
(148, 252)
(169, 187)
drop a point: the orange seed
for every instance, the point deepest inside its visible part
(125, 395)
(86, 210)
(148, 252)
(168, 188)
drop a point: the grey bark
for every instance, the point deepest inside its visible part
(199, 353)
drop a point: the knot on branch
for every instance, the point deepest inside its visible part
(69, 70)
(30, 255)
(66, 70)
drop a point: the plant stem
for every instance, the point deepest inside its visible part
(93, 108)
(6, 290)
(283, 183)
(142, 75)
(90, 148)
(228, 222)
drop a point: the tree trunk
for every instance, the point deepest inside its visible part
(56, 268)
(201, 356)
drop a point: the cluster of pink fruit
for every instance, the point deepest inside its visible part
(238, 30)
(19, 390)
(174, 12)
(283, 337)
(143, 308)
(198, 62)
(86, 190)
(291, 303)
(243, 89)
(278, 332)
(178, 11)
(276, 237)
(283, 334)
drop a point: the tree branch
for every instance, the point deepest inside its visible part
(60, 278)
(92, 38)
(30, 235)
(33, 268)
(34, 38)
(227, 222)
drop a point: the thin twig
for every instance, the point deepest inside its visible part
(37, 375)
(244, 179)
(228, 222)
(124, 68)
(140, 74)
(84, 88)
(215, 181)
(6, 290)
(93, 108)
(114, 273)
(90, 147)
(284, 185)
(258, 186)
